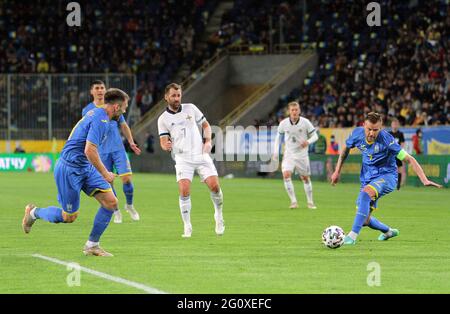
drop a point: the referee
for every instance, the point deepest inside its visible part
(400, 138)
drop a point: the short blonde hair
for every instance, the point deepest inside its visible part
(293, 104)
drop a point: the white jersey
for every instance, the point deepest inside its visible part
(183, 129)
(294, 134)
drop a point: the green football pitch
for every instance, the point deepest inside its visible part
(266, 248)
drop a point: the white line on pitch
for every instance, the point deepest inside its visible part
(126, 282)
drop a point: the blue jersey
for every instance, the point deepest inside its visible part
(378, 158)
(113, 142)
(93, 127)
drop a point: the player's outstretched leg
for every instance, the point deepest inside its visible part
(387, 232)
(108, 205)
(361, 216)
(289, 186)
(307, 185)
(128, 190)
(32, 213)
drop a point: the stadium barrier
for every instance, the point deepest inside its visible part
(436, 167)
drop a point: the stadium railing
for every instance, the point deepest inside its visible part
(47, 106)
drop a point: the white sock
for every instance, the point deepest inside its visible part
(353, 235)
(90, 244)
(32, 213)
(308, 191)
(389, 233)
(185, 209)
(290, 190)
(217, 199)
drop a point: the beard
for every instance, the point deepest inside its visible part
(175, 105)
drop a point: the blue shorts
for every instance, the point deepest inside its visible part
(382, 185)
(71, 180)
(118, 160)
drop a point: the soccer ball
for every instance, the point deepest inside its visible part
(333, 237)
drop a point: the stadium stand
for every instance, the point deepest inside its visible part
(149, 38)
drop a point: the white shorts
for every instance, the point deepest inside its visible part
(301, 164)
(203, 165)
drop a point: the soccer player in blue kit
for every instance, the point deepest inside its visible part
(378, 173)
(80, 168)
(112, 152)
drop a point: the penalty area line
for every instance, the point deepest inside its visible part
(105, 276)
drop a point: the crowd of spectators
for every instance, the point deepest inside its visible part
(400, 69)
(148, 38)
(258, 22)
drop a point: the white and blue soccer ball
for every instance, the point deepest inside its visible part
(333, 237)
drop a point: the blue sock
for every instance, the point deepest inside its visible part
(128, 190)
(377, 225)
(101, 222)
(363, 212)
(51, 214)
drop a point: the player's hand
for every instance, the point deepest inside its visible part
(207, 147)
(335, 178)
(135, 149)
(431, 183)
(304, 144)
(109, 176)
(167, 146)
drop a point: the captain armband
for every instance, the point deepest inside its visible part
(402, 154)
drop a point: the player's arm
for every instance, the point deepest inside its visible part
(403, 155)
(342, 157)
(164, 136)
(207, 134)
(127, 132)
(92, 155)
(165, 142)
(312, 139)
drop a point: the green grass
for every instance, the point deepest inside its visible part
(267, 248)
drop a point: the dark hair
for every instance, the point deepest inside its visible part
(175, 86)
(115, 95)
(97, 82)
(419, 130)
(373, 117)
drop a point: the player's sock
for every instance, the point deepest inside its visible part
(128, 190)
(90, 244)
(185, 209)
(377, 225)
(308, 192)
(217, 199)
(101, 222)
(399, 180)
(51, 214)
(290, 190)
(362, 213)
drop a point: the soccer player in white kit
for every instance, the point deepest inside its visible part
(298, 134)
(179, 133)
